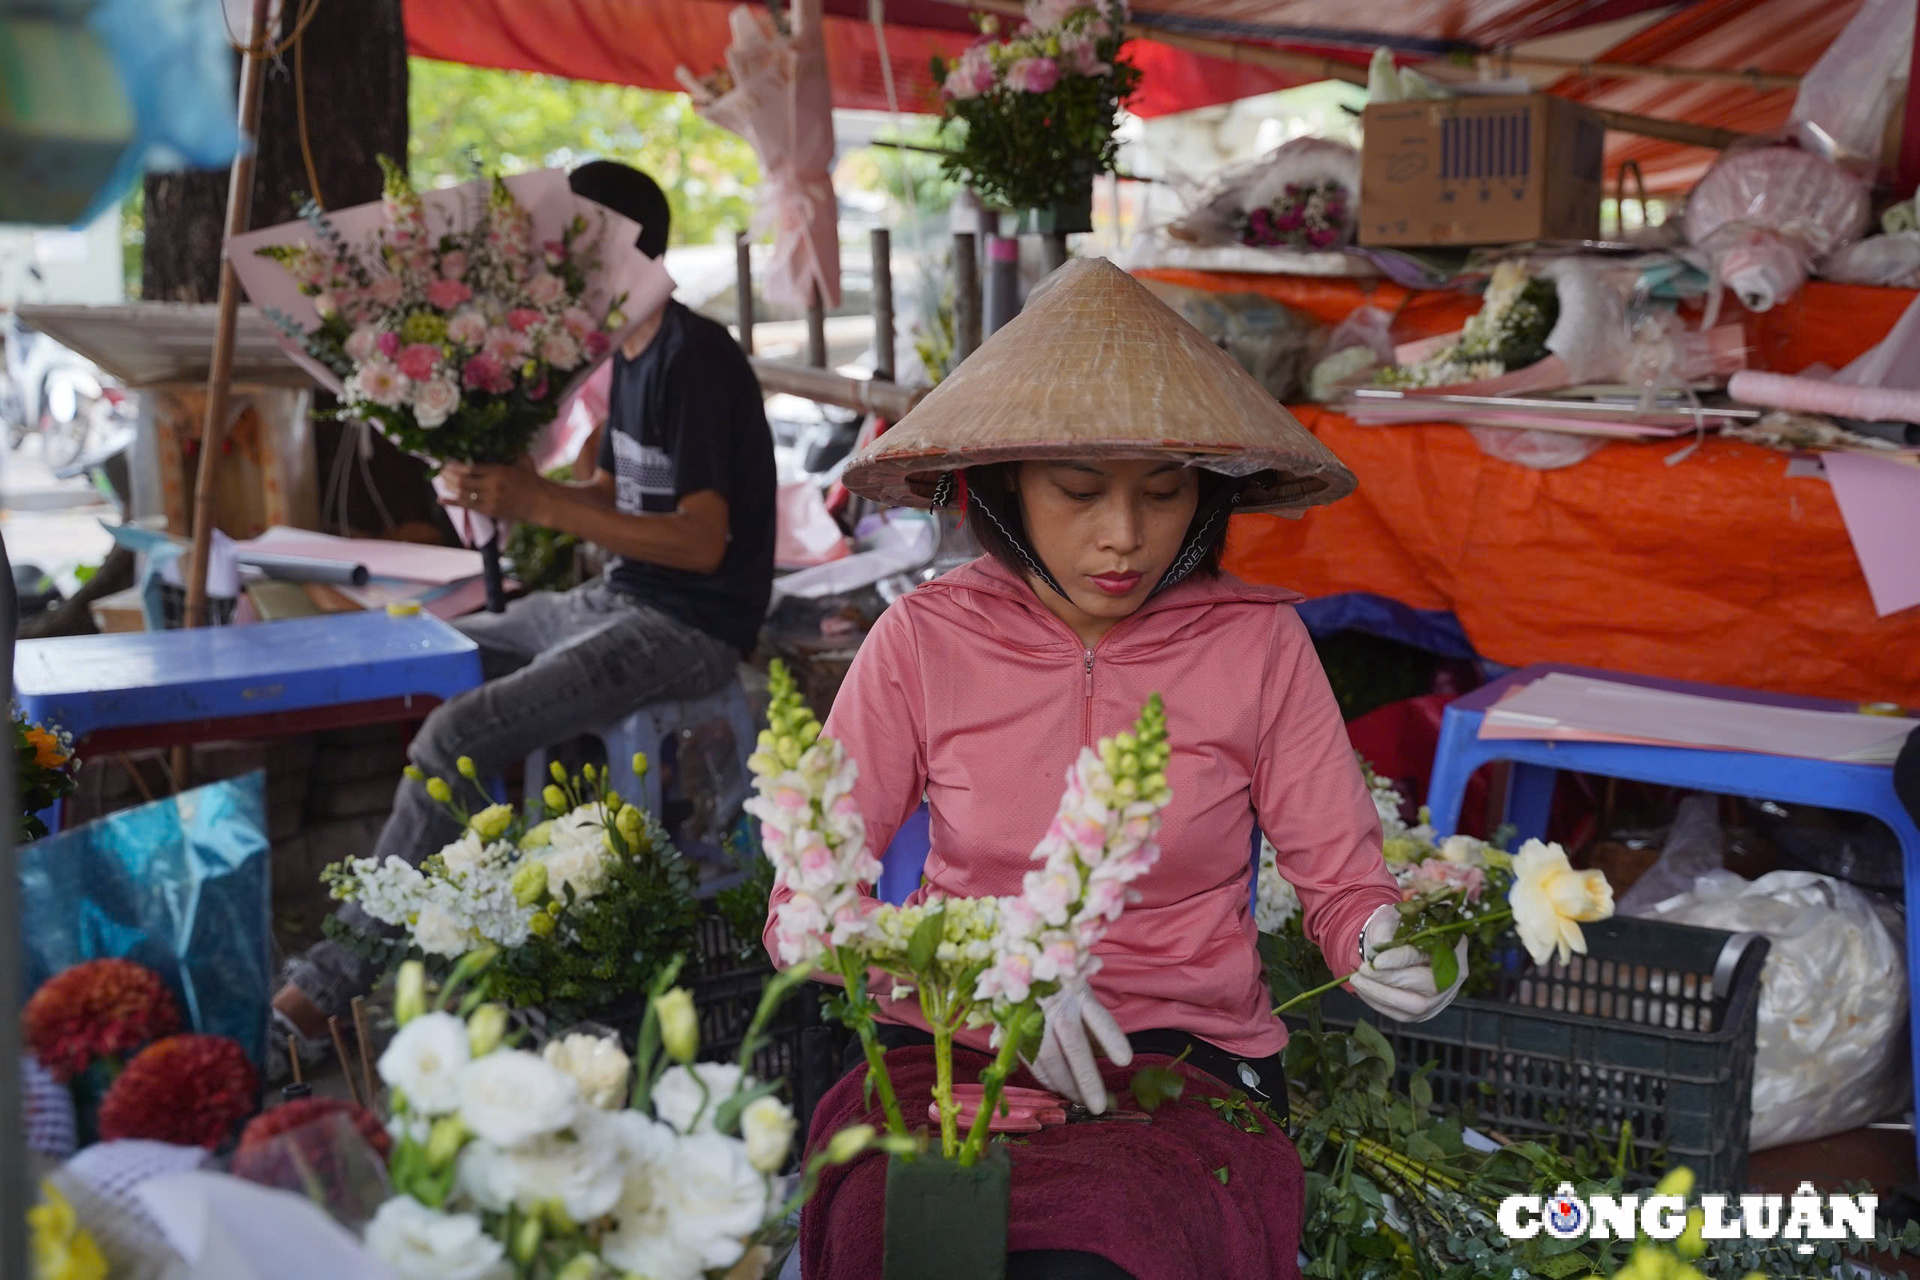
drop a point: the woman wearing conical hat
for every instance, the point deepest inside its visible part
(1098, 444)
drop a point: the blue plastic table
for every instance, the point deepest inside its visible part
(157, 689)
(1859, 788)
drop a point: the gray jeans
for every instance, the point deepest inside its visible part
(557, 665)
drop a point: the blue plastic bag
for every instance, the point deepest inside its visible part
(183, 886)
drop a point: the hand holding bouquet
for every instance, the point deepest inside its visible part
(455, 321)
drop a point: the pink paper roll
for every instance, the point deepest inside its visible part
(1814, 395)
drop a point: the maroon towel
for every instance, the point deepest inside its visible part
(1145, 1196)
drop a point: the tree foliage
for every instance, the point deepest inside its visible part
(516, 121)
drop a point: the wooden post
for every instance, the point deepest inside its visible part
(816, 330)
(966, 296)
(1053, 252)
(253, 79)
(743, 287)
(883, 339)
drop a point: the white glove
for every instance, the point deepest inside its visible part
(1398, 981)
(1066, 1064)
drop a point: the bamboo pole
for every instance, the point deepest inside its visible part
(253, 79)
(1319, 68)
(966, 297)
(1752, 77)
(743, 288)
(816, 330)
(890, 400)
(883, 336)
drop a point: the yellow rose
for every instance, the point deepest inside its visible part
(1551, 900)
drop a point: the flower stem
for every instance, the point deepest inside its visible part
(1425, 935)
(992, 1081)
(943, 1091)
(852, 974)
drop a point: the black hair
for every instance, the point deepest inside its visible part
(631, 193)
(994, 518)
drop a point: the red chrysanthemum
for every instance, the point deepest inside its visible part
(100, 1009)
(189, 1090)
(299, 1113)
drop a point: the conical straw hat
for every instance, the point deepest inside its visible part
(1097, 367)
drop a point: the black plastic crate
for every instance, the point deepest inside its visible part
(1653, 1026)
(803, 1047)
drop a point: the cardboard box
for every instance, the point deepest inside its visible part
(1480, 170)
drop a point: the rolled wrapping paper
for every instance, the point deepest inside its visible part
(1835, 399)
(303, 568)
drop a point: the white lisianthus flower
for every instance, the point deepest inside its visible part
(597, 1065)
(1551, 900)
(718, 1198)
(767, 1127)
(643, 1241)
(424, 1062)
(581, 1170)
(422, 1244)
(434, 401)
(512, 1097)
(577, 864)
(1464, 850)
(438, 932)
(680, 1099)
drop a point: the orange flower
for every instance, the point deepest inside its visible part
(46, 748)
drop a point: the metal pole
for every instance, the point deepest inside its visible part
(253, 79)
(15, 1197)
(743, 287)
(966, 297)
(1003, 282)
(883, 339)
(816, 330)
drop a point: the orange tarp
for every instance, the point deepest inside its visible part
(1716, 568)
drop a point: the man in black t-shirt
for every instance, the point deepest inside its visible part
(683, 498)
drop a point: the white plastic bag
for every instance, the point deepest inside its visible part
(1831, 1051)
(1844, 101)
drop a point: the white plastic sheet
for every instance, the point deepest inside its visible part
(1831, 1049)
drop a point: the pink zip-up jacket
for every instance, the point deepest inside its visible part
(968, 689)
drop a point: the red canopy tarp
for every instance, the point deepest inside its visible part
(640, 42)
(1718, 568)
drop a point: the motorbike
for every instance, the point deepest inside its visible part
(53, 392)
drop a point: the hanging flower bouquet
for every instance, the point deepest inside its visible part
(1037, 111)
(583, 896)
(44, 769)
(580, 1162)
(455, 321)
(972, 962)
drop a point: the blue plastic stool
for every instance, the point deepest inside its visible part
(155, 689)
(1858, 788)
(647, 729)
(905, 860)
